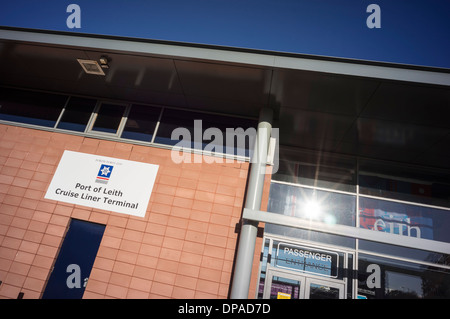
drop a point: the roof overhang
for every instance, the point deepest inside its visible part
(385, 111)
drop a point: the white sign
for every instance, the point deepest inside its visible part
(107, 183)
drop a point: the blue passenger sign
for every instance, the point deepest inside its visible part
(304, 259)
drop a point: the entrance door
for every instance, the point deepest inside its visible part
(281, 284)
(323, 289)
(75, 259)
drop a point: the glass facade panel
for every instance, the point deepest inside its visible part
(390, 198)
(30, 107)
(333, 172)
(286, 267)
(403, 182)
(108, 118)
(405, 252)
(76, 114)
(208, 132)
(212, 133)
(404, 219)
(285, 288)
(311, 204)
(382, 278)
(141, 122)
(310, 236)
(323, 292)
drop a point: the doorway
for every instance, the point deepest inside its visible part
(283, 284)
(72, 268)
(298, 269)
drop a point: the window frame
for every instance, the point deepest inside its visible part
(28, 123)
(94, 116)
(89, 132)
(155, 130)
(61, 115)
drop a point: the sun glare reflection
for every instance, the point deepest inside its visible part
(312, 209)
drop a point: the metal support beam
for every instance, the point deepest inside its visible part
(247, 239)
(348, 231)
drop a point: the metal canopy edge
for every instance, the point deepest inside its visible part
(254, 58)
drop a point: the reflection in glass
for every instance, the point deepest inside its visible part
(197, 126)
(409, 183)
(327, 207)
(284, 288)
(77, 114)
(403, 285)
(108, 118)
(141, 122)
(396, 279)
(404, 252)
(30, 107)
(309, 235)
(307, 260)
(315, 169)
(305, 203)
(404, 219)
(323, 292)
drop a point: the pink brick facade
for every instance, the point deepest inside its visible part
(184, 247)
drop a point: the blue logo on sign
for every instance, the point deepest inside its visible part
(104, 173)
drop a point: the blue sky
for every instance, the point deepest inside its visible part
(412, 31)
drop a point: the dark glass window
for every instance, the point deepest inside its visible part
(310, 204)
(314, 205)
(403, 182)
(405, 252)
(315, 169)
(30, 107)
(383, 278)
(207, 132)
(171, 120)
(109, 117)
(77, 114)
(141, 122)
